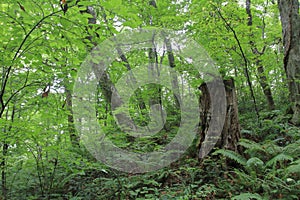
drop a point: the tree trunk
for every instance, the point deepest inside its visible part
(265, 86)
(155, 99)
(175, 84)
(138, 92)
(290, 21)
(74, 138)
(5, 149)
(3, 169)
(230, 134)
(107, 86)
(260, 68)
(108, 89)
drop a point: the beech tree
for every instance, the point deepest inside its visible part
(290, 20)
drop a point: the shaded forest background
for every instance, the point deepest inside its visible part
(255, 45)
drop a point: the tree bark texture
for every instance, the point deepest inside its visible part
(71, 126)
(230, 134)
(290, 21)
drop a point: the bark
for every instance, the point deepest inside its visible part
(171, 59)
(71, 126)
(175, 85)
(290, 21)
(138, 93)
(108, 89)
(3, 169)
(154, 73)
(5, 148)
(107, 86)
(265, 86)
(122, 119)
(260, 68)
(230, 134)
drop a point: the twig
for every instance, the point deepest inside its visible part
(247, 74)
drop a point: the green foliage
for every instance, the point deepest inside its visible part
(247, 196)
(232, 155)
(43, 46)
(271, 165)
(294, 167)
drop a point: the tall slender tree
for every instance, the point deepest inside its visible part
(290, 20)
(258, 53)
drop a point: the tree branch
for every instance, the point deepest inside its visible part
(247, 74)
(16, 55)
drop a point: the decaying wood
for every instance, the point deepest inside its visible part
(230, 133)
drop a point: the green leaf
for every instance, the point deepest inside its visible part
(232, 155)
(279, 158)
(247, 196)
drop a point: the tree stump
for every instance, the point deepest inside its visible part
(230, 133)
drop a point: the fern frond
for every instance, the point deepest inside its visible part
(247, 196)
(279, 157)
(272, 148)
(294, 167)
(255, 162)
(231, 155)
(251, 145)
(293, 149)
(243, 176)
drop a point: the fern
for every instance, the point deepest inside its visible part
(293, 149)
(272, 149)
(248, 144)
(232, 155)
(278, 158)
(294, 167)
(246, 179)
(247, 196)
(252, 148)
(254, 164)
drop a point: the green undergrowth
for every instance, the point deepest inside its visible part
(267, 167)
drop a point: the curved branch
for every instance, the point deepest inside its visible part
(38, 5)
(15, 21)
(17, 54)
(245, 61)
(17, 91)
(29, 45)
